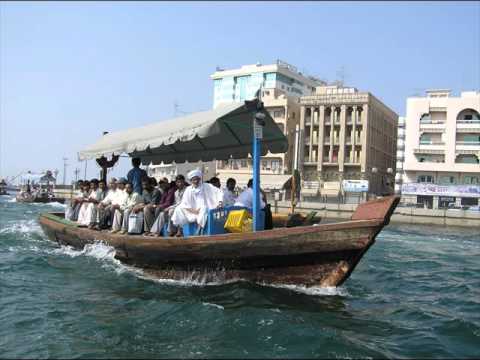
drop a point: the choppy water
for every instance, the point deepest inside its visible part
(415, 294)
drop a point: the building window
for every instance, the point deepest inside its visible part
(471, 180)
(447, 180)
(467, 159)
(425, 179)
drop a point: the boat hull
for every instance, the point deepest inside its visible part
(323, 255)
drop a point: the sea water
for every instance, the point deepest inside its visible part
(416, 293)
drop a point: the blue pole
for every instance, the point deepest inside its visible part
(256, 181)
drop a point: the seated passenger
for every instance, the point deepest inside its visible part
(215, 181)
(104, 208)
(229, 195)
(150, 200)
(122, 212)
(73, 208)
(168, 206)
(88, 211)
(246, 199)
(196, 201)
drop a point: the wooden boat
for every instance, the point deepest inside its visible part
(25, 198)
(322, 255)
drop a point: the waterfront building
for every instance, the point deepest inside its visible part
(242, 83)
(282, 85)
(400, 154)
(347, 135)
(442, 150)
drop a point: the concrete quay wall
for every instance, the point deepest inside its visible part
(401, 214)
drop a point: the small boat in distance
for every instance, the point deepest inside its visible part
(319, 255)
(38, 189)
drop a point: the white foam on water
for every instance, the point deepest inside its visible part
(99, 251)
(314, 290)
(214, 305)
(193, 278)
(21, 226)
(12, 200)
(54, 204)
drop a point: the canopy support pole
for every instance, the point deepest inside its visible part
(256, 182)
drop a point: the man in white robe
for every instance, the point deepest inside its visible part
(196, 201)
(88, 212)
(81, 194)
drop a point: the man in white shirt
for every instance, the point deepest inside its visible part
(196, 201)
(88, 211)
(123, 210)
(229, 195)
(246, 197)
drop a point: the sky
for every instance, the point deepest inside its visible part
(69, 71)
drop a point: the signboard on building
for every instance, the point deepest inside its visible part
(441, 190)
(356, 186)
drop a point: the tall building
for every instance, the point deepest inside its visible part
(442, 149)
(275, 168)
(400, 154)
(282, 85)
(242, 84)
(348, 135)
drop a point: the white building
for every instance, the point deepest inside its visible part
(400, 154)
(241, 84)
(442, 150)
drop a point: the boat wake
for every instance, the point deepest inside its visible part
(314, 290)
(100, 251)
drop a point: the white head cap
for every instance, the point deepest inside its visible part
(194, 173)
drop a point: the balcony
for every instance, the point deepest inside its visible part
(468, 126)
(431, 142)
(327, 141)
(348, 140)
(430, 122)
(469, 121)
(467, 145)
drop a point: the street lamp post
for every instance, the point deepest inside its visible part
(65, 170)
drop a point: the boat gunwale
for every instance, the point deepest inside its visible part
(266, 235)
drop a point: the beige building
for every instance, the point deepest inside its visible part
(282, 85)
(275, 168)
(442, 150)
(347, 135)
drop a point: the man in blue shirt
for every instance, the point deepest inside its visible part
(136, 175)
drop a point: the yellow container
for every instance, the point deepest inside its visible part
(238, 221)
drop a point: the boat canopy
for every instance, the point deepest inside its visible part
(219, 134)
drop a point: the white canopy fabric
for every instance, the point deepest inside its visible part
(217, 134)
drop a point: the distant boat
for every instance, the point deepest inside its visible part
(319, 255)
(25, 197)
(3, 188)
